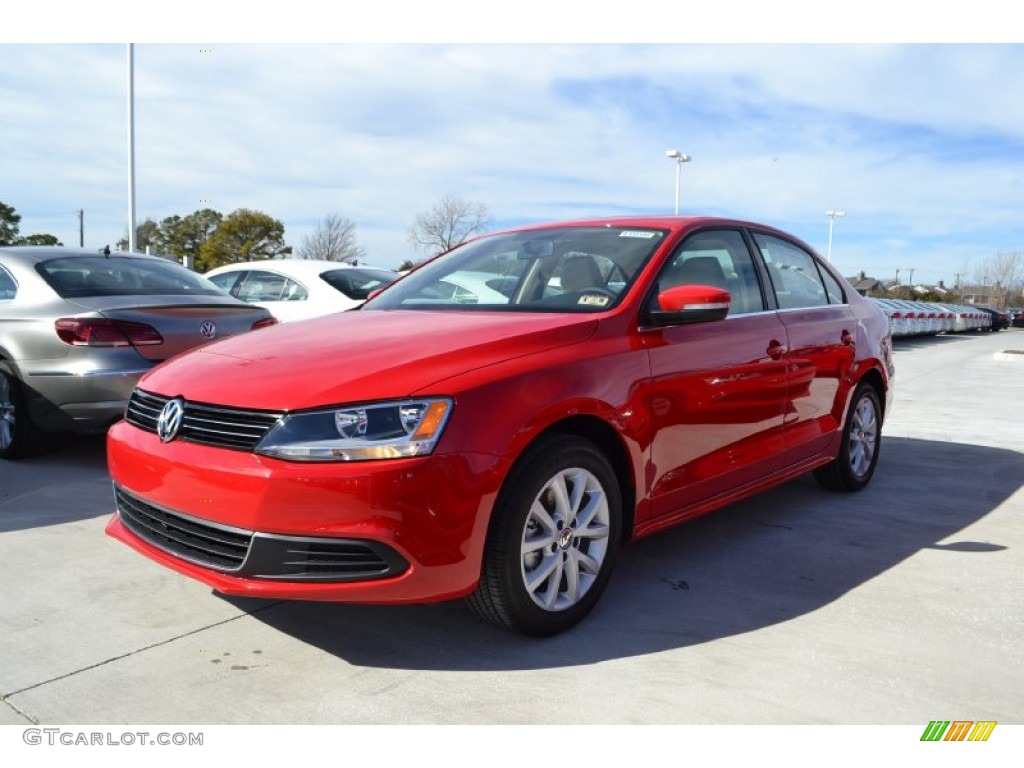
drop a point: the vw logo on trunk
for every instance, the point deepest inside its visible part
(169, 422)
(208, 330)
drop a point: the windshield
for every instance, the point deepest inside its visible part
(564, 269)
(76, 277)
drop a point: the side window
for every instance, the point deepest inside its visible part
(794, 273)
(8, 288)
(719, 258)
(270, 286)
(227, 281)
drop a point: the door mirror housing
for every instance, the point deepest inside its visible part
(690, 304)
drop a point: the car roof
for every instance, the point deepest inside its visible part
(33, 254)
(296, 267)
(671, 222)
(664, 221)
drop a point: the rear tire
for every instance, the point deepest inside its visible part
(852, 469)
(19, 437)
(553, 539)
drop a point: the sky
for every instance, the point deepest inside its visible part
(917, 135)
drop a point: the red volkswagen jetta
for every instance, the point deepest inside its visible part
(500, 421)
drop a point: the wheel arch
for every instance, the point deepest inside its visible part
(603, 435)
(8, 364)
(873, 377)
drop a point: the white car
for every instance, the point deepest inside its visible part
(295, 289)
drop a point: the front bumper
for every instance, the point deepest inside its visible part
(254, 555)
(414, 528)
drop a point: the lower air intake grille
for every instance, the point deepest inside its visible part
(293, 558)
(196, 541)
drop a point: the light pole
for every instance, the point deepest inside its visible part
(831, 222)
(131, 147)
(680, 158)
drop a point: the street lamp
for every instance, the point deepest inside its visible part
(831, 221)
(680, 158)
(131, 148)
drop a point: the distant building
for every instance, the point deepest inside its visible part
(979, 295)
(866, 286)
(939, 289)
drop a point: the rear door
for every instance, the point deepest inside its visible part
(821, 329)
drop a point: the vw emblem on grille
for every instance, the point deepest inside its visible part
(208, 330)
(169, 422)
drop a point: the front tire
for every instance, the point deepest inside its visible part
(852, 469)
(553, 539)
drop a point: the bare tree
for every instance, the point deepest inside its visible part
(1001, 275)
(334, 239)
(449, 223)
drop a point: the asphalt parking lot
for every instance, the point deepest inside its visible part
(898, 605)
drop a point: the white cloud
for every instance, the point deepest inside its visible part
(922, 145)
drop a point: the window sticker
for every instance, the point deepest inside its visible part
(593, 299)
(639, 234)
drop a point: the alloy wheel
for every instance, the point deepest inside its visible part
(863, 437)
(565, 539)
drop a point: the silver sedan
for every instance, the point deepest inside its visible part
(78, 328)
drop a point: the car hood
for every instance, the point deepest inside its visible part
(358, 356)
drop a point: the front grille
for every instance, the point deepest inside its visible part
(256, 555)
(215, 425)
(196, 541)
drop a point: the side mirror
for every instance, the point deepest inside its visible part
(690, 304)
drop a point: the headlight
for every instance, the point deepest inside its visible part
(359, 432)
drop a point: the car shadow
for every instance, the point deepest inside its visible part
(769, 559)
(66, 483)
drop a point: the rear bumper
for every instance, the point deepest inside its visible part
(79, 401)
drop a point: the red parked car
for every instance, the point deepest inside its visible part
(496, 424)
